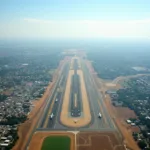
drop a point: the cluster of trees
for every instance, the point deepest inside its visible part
(128, 97)
(3, 97)
(37, 69)
(136, 91)
(14, 134)
(110, 65)
(142, 144)
(13, 120)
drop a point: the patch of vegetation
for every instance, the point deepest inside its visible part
(2, 97)
(110, 64)
(56, 143)
(13, 120)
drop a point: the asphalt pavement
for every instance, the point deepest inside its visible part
(95, 99)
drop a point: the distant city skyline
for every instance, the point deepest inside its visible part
(75, 19)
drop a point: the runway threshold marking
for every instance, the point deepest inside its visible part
(50, 111)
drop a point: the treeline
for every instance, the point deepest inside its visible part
(110, 65)
(13, 120)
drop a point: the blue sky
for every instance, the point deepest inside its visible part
(74, 18)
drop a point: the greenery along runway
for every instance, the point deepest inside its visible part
(56, 143)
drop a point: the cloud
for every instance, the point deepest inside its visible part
(33, 27)
(34, 20)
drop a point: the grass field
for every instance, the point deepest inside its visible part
(56, 143)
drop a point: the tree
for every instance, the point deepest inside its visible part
(2, 97)
(142, 144)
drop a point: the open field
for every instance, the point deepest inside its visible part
(98, 141)
(39, 137)
(56, 142)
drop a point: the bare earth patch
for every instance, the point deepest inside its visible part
(125, 113)
(99, 141)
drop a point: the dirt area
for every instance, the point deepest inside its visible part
(119, 115)
(80, 121)
(25, 129)
(38, 138)
(64, 112)
(125, 113)
(135, 129)
(122, 78)
(112, 86)
(99, 141)
(86, 107)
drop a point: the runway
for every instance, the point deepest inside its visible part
(97, 104)
(55, 101)
(95, 99)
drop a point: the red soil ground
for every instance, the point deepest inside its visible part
(125, 113)
(99, 141)
(119, 115)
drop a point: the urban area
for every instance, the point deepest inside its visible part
(23, 79)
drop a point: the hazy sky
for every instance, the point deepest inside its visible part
(74, 18)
